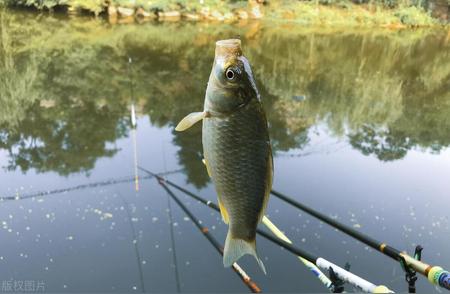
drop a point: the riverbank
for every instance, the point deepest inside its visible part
(378, 13)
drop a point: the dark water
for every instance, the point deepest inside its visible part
(359, 122)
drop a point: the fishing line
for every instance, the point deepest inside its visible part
(135, 162)
(82, 186)
(135, 241)
(311, 152)
(172, 239)
(163, 155)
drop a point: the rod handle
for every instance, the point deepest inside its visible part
(438, 276)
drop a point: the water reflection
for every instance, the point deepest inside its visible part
(65, 91)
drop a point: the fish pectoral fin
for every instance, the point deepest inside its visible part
(223, 212)
(235, 248)
(207, 167)
(189, 120)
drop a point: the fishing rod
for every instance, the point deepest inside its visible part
(435, 274)
(239, 271)
(82, 186)
(313, 261)
(333, 286)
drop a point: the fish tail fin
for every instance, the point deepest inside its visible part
(235, 248)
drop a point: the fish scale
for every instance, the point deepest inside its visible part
(237, 150)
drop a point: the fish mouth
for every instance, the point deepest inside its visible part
(228, 47)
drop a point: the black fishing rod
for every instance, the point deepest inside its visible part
(435, 274)
(342, 275)
(239, 271)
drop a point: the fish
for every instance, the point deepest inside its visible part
(236, 148)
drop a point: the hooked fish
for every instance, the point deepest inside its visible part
(236, 147)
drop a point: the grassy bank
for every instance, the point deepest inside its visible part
(389, 13)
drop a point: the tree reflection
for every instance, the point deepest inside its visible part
(65, 92)
(62, 141)
(382, 143)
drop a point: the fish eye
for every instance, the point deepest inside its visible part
(229, 73)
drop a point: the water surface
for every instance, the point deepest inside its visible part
(359, 122)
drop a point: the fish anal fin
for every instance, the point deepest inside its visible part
(269, 179)
(235, 248)
(189, 120)
(223, 212)
(207, 167)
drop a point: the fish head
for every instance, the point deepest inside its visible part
(231, 84)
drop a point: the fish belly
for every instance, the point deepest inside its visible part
(238, 153)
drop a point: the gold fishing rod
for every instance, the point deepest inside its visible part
(435, 274)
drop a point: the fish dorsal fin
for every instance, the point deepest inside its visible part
(223, 212)
(207, 167)
(189, 120)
